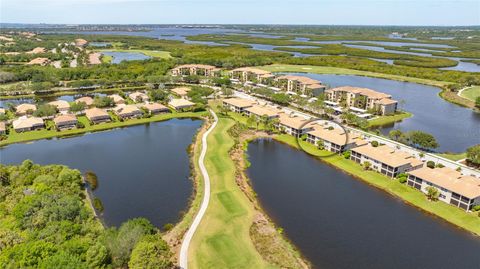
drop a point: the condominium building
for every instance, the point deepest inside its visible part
(454, 188)
(252, 75)
(300, 85)
(293, 125)
(97, 115)
(61, 105)
(196, 69)
(23, 109)
(127, 111)
(362, 98)
(25, 123)
(262, 111)
(238, 104)
(66, 121)
(384, 159)
(334, 138)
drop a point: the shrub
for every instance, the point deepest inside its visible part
(476, 208)
(402, 178)
(431, 164)
(168, 227)
(374, 143)
(439, 165)
(97, 204)
(80, 125)
(92, 179)
(347, 154)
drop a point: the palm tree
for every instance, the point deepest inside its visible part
(250, 121)
(367, 165)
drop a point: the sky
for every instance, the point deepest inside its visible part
(324, 12)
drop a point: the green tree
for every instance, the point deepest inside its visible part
(367, 165)
(422, 140)
(473, 154)
(45, 110)
(151, 253)
(77, 106)
(103, 101)
(320, 145)
(97, 256)
(432, 193)
(251, 120)
(62, 260)
(477, 102)
(158, 95)
(395, 134)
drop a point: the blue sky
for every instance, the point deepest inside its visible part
(367, 12)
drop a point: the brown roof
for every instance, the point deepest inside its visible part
(336, 135)
(450, 179)
(386, 101)
(80, 42)
(40, 61)
(363, 91)
(26, 122)
(387, 155)
(263, 110)
(3, 126)
(292, 122)
(301, 79)
(239, 102)
(116, 98)
(23, 108)
(135, 95)
(154, 106)
(126, 109)
(60, 104)
(181, 90)
(64, 118)
(94, 58)
(86, 99)
(180, 103)
(204, 66)
(95, 112)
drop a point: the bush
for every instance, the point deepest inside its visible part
(80, 125)
(476, 208)
(168, 227)
(374, 143)
(402, 178)
(439, 165)
(97, 204)
(431, 164)
(92, 179)
(347, 154)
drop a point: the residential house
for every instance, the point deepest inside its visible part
(362, 99)
(238, 104)
(138, 97)
(24, 109)
(39, 61)
(127, 111)
(300, 85)
(62, 105)
(3, 128)
(86, 99)
(251, 75)
(65, 121)
(156, 108)
(25, 123)
(180, 104)
(334, 138)
(453, 187)
(97, 115)
(196, 69)
(384, 159)
(181, 91)
(117, 99)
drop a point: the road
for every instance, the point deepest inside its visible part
(183, 260)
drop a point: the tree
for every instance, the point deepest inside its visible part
(320, 145)
(402, 177)
(395, 134)
(346, 154)
(227, 92)
(422, 140)
(151, 253)
(374, 143)
(92, 179)
(477, 102)
(45, 110)
(281, 98)
(223, 110)
(431, 164)
(251, 120)
(473, 154)
(367, 165)
(77, 107)
(432, 193)
(158, 95)
(97, 256)
(103, 101)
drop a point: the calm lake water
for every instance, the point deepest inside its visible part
(339, 222)
(120, 56)
(456, 128)
(143, 170)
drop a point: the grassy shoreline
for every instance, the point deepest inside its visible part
(14, 137)
(385, 120)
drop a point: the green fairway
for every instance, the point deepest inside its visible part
(345, 71)
(14, 137)
(222, 239)
(152, 53)
(471, 93)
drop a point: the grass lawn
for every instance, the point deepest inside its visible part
(345, 71)
(222, 239)
(471, 93)
(384, 120)
(152, 53)
(14, 137)
(468, 221)
(453, 156)
(106, 59)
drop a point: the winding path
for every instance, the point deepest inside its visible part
(183, 260)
